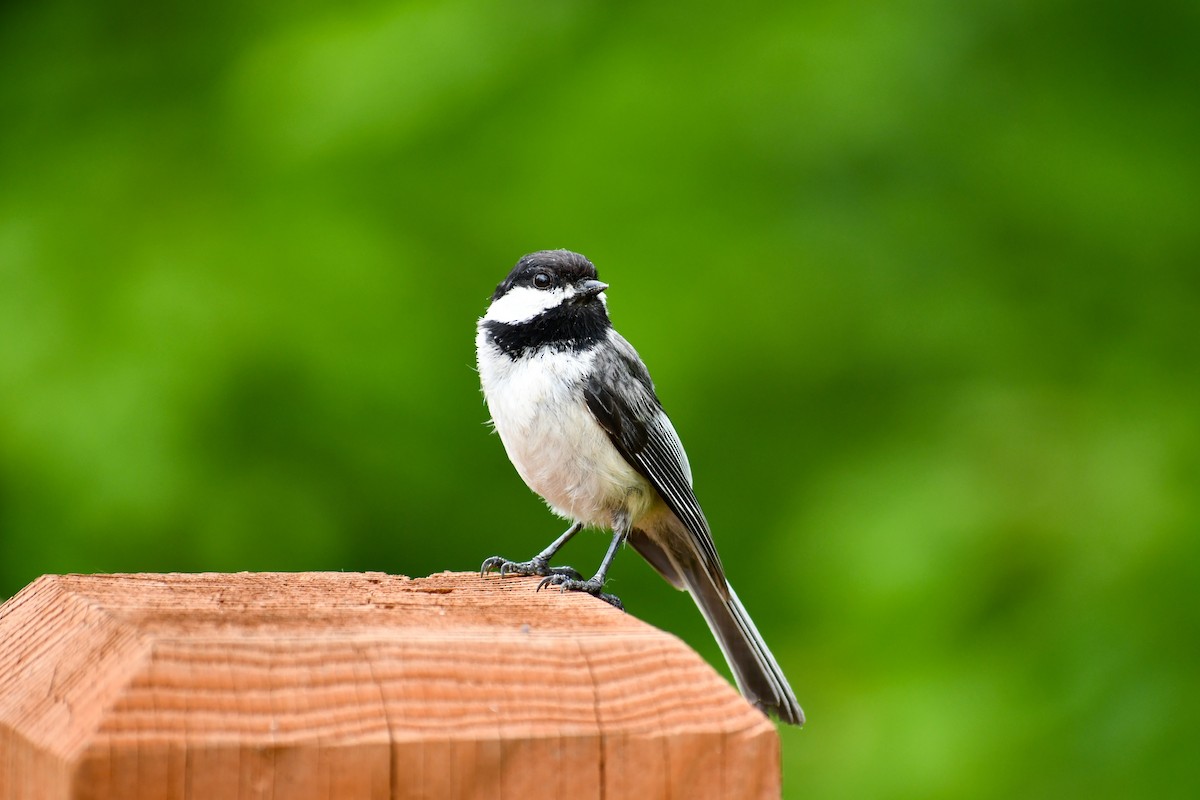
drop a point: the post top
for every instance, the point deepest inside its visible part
(91, 661)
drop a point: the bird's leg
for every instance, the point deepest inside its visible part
(595, 584)
(539, 564)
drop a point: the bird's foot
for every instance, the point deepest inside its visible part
(574, 584)
(533, 566)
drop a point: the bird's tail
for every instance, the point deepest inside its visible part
(757, 673)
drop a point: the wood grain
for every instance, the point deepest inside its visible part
(349, 685)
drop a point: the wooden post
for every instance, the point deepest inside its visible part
(348, 685)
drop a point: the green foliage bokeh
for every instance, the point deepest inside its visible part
(917, 282)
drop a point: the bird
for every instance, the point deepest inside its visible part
(577, 412)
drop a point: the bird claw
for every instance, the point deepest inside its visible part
(574, 584)
(532, 567)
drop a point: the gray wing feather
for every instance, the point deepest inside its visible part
(621, 397)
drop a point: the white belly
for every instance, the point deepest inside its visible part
(558, 448)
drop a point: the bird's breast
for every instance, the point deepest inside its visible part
(552, 439)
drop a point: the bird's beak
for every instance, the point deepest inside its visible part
(586, 290)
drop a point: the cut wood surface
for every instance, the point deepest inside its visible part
(349, 685)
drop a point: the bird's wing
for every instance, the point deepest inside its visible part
(621, 397)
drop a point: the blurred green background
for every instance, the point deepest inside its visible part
(918, 283)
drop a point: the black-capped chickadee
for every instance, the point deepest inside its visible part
(576, 410)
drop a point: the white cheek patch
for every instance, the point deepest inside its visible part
(523, 303)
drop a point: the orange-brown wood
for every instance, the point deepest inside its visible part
(341, 686)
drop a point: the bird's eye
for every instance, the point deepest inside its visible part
(542, 281)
